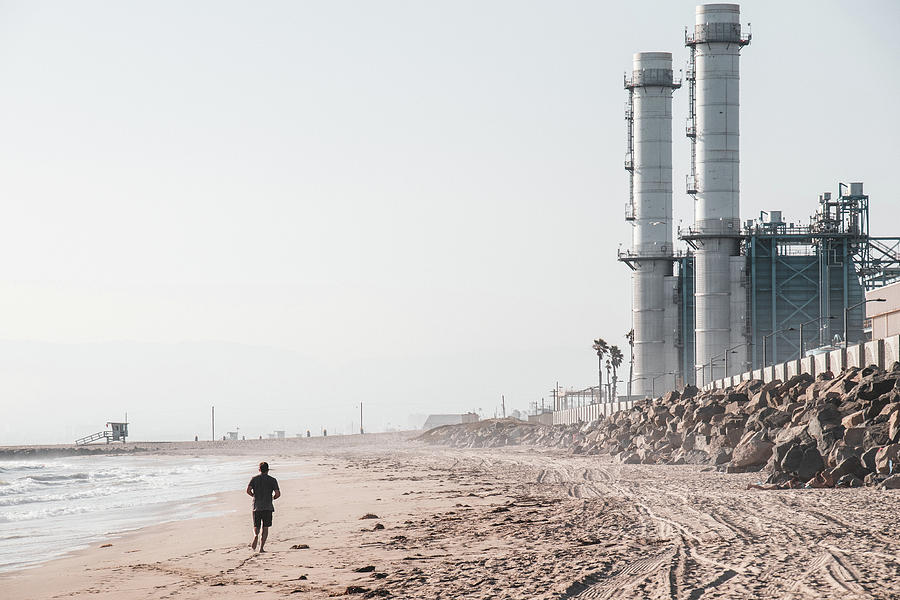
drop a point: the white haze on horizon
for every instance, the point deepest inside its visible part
(285, 209)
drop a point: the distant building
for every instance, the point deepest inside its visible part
(416, 421)
(884, 317)
(543, 417)
(438, 420)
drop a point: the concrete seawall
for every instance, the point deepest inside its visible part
(881, 353)
(591, 412)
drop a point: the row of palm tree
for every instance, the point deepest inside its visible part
(614, 358)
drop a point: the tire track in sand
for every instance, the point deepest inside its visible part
(598, 586)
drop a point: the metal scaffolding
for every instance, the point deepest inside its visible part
(684, 334)
(800, 275)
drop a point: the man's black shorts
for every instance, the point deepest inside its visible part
(262, 517)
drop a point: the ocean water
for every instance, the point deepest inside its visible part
(53, 506)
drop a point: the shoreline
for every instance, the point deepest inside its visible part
(517, 522)
(207, 506)
(127, 518)
(211, 447)
(152, 540)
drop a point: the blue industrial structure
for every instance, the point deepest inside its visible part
(799, 280)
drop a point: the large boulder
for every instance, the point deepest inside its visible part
(853, 419)
(874, 407)
(776, 419)
(720, 456)
(887, 459)
(753, 450)
(647, 456)
(894, 425)
(795, 387)
(876, 435)
(803, 461)
(891, 483)
(716, 443)
(630, 458)
(819, 387)
(733, 408)
(873, 386)
(689, 391)
(849, 480)
(841, 452)
(671, 397)
(690, 457)
(755, 421)
(739, 397)
(868, 459)
(706, 413)
(733, 432)
(854, 436)
(825, 427)
(851, 466)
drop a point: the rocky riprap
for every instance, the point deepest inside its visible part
(829, 431)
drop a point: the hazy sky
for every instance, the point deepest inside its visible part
(284, 208)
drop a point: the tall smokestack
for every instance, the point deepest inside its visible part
(649, 158)
(713, 125)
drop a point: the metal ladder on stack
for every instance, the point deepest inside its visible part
(690, 128)
(629, 150)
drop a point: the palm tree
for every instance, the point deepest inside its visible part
(615, 357)
(630, 337)
(608, 381)
(601, 348)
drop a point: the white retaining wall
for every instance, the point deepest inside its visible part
(882, 353)
(590, 412)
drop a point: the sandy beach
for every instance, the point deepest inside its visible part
(517, 522)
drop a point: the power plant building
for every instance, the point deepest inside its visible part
(741, 293)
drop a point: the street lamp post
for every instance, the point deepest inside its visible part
(847, 318)
(766, 337)
(816, 320)
(731, 350)
(653, 382)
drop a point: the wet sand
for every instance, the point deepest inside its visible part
(508, 523)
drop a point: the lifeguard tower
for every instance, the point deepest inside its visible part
(117, 432)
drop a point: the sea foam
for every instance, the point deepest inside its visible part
(53, 506)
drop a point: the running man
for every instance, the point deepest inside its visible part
(264, 490)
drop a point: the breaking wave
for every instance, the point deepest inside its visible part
(67, 503)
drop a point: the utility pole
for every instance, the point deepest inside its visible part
(503, 404)
(213, 423)
(630, 337)
(360, 418)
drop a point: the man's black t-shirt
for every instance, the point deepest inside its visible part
(263, 485)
